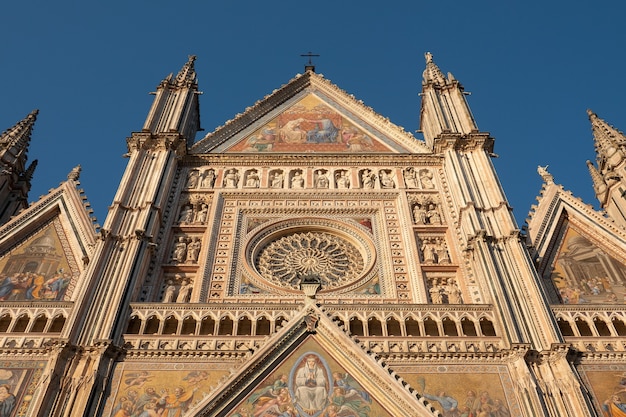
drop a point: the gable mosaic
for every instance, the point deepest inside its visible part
(310, 125)
(310, 383)
(584, 273)
(39, 269)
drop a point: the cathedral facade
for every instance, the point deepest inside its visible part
(309, 258)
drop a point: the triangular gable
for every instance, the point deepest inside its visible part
(581, 252)
(45, 248)
(312, 369)
(310, 114)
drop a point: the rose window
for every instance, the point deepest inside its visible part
(327, 258)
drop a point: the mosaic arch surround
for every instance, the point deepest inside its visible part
(283, 255)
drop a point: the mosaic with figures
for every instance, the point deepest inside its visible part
(161, 389)
(309, 384)
(608, 385)
(38, 270)
(460, 390)
(18, 383)
(584, 273)
(310, 126)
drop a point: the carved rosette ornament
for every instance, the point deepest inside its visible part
(292, 259)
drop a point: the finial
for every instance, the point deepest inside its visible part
(543, 172)
(309, 65)
(432, 73)
(74, 173)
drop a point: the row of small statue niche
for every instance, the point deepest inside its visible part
(366, 178)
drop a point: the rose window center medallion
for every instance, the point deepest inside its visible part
(290, 259)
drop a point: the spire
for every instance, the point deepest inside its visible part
(599, 186)
(444, 108)
(15, 178)
(432, 73)
(545, 175)
(30, 171)
(176, 107)
(16, 139)
(74, 174)
(607, 143)
(187, 75)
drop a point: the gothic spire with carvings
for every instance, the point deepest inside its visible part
(608, 178)
(599, 186)
(15, 175)
(176, 106)
(608, 142)
(444, 108)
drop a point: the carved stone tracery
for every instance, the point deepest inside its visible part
(289, 260)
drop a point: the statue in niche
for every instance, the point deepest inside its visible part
(170, 290)
(429, 251)
(202, 214)
(321, 180)
(386, 179)
(436, 296)
(426, 179)
(193, 177)
(342, 180)
(410, 177)
(208, 178)
(368, 179)
(276, 180)
(184, 292)
(193, 250)
(454, 293)
(297, 181)
(253, 180)
(186, 214)
(180, 250)
(420, 215)
(231, 178)
(443, 257)
(433, 214)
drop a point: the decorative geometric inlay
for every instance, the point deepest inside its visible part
(286, 262)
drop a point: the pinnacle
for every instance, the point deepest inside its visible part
(432, 73)
(187, 74)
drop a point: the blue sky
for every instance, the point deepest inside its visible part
(533, 68)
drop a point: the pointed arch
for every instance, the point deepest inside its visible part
(356, 326)
(374, 326)
(134, 325)
(189, 326)
(39, 325)
(430, 327)
(57, 324)
(412, 326)
(152, 325)
(263, 326)
(170, 325)
(244, 326)
(619, 326)
(468, 327)
(21, 323)
(207, 325)
(449, 327)
(565, 327)
(486, 327)
(393, 326)
(5, 322)
(226, 326)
